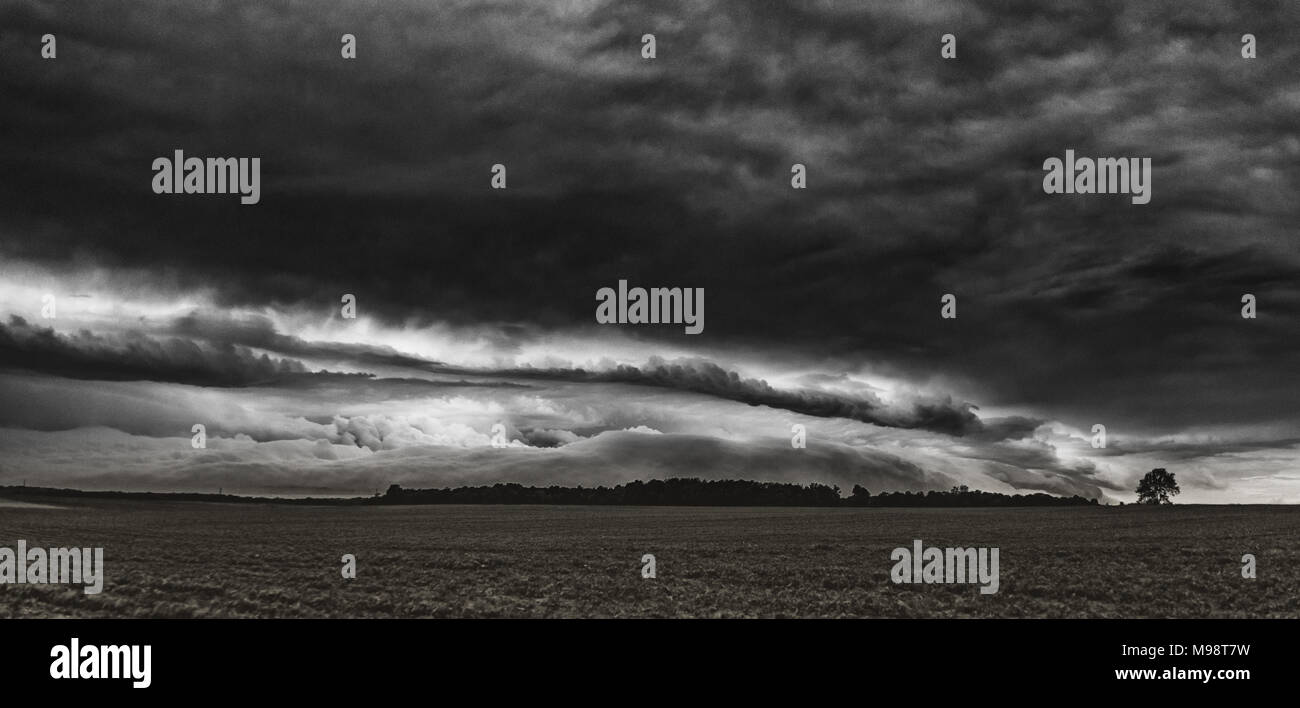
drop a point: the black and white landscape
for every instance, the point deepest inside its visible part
(475, 305)
(406, 286)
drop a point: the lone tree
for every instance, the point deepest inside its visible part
(1156, 487)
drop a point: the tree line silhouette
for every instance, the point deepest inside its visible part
(678, 491)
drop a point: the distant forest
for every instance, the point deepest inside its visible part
(667, 492)
(699, 492)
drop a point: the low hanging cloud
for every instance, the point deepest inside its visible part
(135, 356)
(301, 466)
(937, 414)
(222, 356)
(260, 332)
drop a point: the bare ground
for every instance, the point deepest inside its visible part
(186, 559)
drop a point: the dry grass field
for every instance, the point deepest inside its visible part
(189, 559)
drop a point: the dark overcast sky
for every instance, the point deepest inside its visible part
(822, 305)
